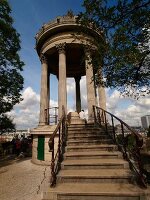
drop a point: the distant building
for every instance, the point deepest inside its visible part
(145, 121)
(9, 136)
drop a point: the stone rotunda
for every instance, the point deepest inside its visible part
(62, 54)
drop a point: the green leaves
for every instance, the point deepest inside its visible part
(11, 81)
(6, 124)
(125, 25)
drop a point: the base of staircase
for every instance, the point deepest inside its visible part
(94, 191)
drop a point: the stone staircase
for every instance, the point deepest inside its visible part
(93, 169)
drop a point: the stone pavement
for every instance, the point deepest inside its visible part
(22, 180)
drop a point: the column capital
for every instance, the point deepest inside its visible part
(89, 51)
(61, 47)
(99, 72)
(43, 58)
(88, 56)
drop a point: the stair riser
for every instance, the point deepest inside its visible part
(91, 149)
(89, 142)
(85, 131)
(88, 128)
(85, 127)
(95, 197)
(82, 125)
(92, 157)
(102, 166)
(93, 180)
(87, 137)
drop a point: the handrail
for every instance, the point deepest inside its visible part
(132, 155)
(60, 133)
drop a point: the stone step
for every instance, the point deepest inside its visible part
(94, 176)
(88, 142)
(94, 191)
(97, 147)
(87, 130)
(92, 154)
(82, 126)
(87, 136)
(88, 127)
(95, 164)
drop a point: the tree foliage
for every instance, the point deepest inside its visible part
(11, 81)
(6, 124)
(124, 43)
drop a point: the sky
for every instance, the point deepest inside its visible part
(29, 16)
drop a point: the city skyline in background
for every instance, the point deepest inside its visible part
(29, 16)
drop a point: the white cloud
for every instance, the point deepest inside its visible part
(71, 86)
(83, 93)
(112, 100)
(144, 102)
(71, 93)
(30, 99)
(129, 110)
(26, 114)
(53, 103)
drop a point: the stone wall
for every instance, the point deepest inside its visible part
(47, 154)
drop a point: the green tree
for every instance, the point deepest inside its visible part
(123, 49)
(11, 81)
(6, 124)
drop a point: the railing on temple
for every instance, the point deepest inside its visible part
(57, 153)
(128, 140)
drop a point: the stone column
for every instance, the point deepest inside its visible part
(96, 92)
(62, 88)
(44, 90)
(90, 86)
(102, 97)
(48, 97)
(101, 92)
(78, 97)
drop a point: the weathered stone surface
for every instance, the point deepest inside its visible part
(46, 131)
(20, 179)
(94, 172)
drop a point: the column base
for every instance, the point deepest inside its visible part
(90, 121)
(43, 129)
(42, 124)
(73, 118)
